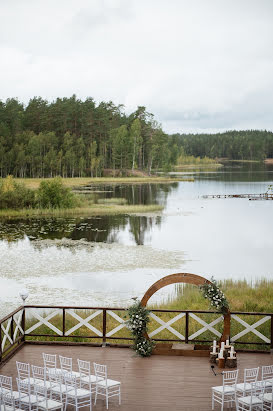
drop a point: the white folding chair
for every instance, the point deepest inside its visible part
(50, 363)
(39, 376)
(250, 376)
(57, 388)
(66, 366)
(75, 396)
(268, 396)
(226, 393)
(6, 387)
(23, 371)
(43, 402)
(253, 401)
(267, 376)
(9, 402)
(86, 378)
(27, 401)
(104, 386)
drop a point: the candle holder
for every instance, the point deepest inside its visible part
(231, 362)
(220, 362)
(213, 357)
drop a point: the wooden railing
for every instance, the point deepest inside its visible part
(101, 325)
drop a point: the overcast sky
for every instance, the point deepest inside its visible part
(198, 65)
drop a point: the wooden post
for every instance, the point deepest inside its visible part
(0, 343)
(24, 323)
(187, 328)
(12, 329)
(104, 328)
(63, 322)
(271, 347)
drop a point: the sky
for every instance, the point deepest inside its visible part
(197, 65)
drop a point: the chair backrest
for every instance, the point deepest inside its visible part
(70, 381)
(8, 401)
(23, 370)
(5, 382)
(251, 375)
(66, 363)
(23, 387)
(84, 367)
(267, 372)
(41, 394)
(50, 360)
(38, 373)
(54, 377)
(100, 371)
(257, 391)
(230, 377)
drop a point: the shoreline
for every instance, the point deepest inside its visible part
(92, 211)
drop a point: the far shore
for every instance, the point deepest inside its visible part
(76, 182)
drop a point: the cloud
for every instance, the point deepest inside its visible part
(199, 65)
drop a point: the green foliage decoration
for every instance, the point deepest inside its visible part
(53, 194)
(217, 299)
(137, 324)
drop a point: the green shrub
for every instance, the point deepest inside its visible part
(15, 195)
(53, 194)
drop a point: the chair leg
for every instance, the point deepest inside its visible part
(96, 393)
(212, 401)
(106, 398)
(119, 397)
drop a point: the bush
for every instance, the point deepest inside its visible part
(15, 195)
(53, 194)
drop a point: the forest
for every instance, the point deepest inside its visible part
(70, 137)
(73, 138)
(232, 145)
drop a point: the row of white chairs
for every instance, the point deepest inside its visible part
(248, 395)
(50, 388)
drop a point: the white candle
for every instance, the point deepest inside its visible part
(214, 349)
(232, 349)
(222, 345)
(214, 343)
(221, 354)
(227, 342)
(231, 354)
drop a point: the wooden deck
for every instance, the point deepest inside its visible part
(158, 383)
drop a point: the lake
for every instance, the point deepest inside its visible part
(107, 260)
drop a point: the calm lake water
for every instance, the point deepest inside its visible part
(107, 260)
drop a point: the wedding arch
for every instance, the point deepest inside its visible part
(185, 278)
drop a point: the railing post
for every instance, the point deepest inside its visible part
(187, 328)
(63, 322)
(0, 343)
(271, 346)
(104, 328)
(11, 329)
(24, 323)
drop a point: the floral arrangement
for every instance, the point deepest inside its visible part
(217, 298)
(137, 324)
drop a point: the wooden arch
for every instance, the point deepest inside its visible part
(188, 279)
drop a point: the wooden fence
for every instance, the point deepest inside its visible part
(104, 325)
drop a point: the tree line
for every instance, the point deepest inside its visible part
(234, 145)
(70, 137)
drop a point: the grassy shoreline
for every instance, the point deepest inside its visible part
(34, 183)
(93, 210)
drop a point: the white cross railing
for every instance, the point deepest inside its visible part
(250, 328)
(167, 325)
(206, 326)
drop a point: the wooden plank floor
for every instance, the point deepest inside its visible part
(158, 383)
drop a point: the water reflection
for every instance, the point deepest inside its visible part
(106, 229)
